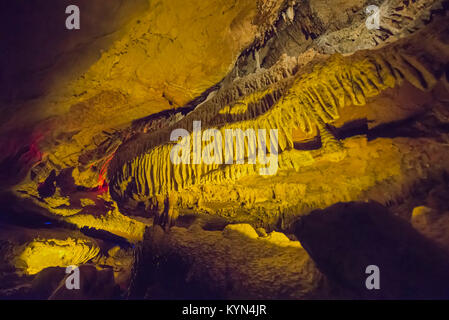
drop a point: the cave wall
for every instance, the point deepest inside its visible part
(86, 122)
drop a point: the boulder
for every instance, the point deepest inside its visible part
(346, 238)
(239, 230)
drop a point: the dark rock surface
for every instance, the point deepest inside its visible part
(347, 237)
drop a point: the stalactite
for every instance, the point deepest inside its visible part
(314, 99)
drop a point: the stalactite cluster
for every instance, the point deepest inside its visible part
(315, 98)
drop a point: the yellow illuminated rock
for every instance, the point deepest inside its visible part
(233, 230)
(113, 221)
(43, 253)
(168, 55)
(316, 97)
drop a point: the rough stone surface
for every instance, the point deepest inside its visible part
(346, 238)
(208, 264)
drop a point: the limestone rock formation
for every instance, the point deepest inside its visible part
(352, 114)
